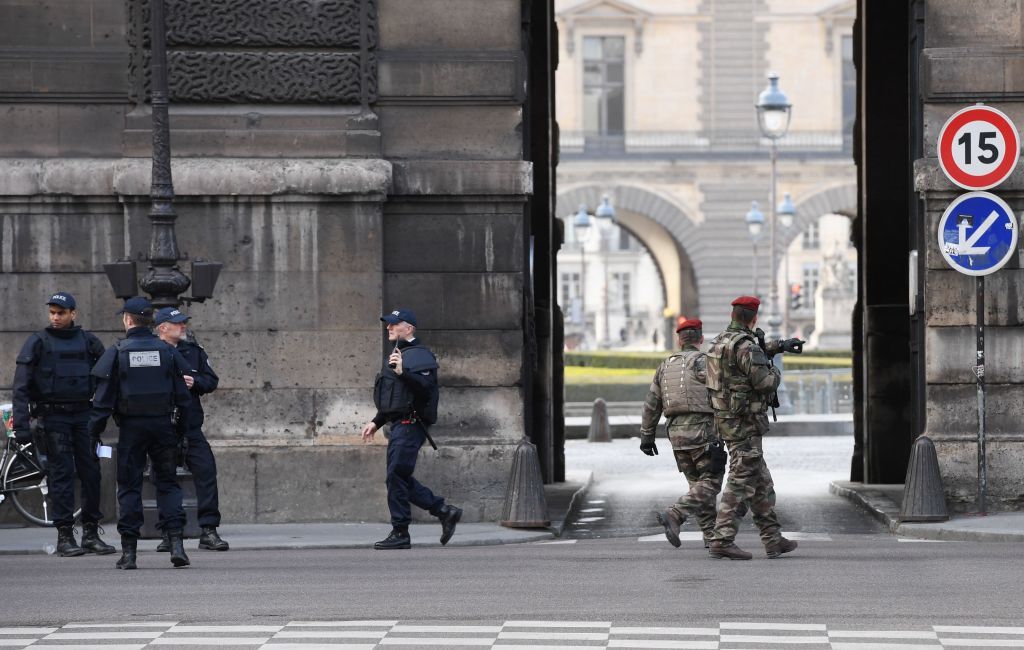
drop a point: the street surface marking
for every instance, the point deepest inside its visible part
(809, 537)
(521, 635)
(795, 640)
(807, 627)
(559, 541)
(332, 634)
(978, 630)
(688, 535)
(883, 634)
(681, 631)
(911, 540)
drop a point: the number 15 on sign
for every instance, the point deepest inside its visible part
(978, 147)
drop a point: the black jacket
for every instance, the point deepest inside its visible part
(206, 380)
(24, 390)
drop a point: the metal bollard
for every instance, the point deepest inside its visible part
(525, 503)
(599, 430)
(924, 498)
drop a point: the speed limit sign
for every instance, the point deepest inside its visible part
(978, 147)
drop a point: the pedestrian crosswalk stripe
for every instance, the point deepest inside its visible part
(332, 634)
(210, 641)
(807, 627)
(956, 629)
(520, 635)
(686, 535)
(787, 640)
(875, 645)
(883, 634)
(565, 624)
(678, 631)
(558, 541)
(913, 540)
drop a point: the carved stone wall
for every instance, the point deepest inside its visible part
(262, 51)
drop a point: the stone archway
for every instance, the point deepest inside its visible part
(659, 224)
(840, 199)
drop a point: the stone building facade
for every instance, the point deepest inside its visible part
(656, 110)
(340, 158)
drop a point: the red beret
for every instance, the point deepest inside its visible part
(747, 302)
(689, 324)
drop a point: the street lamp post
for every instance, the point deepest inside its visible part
(773, 115)
(755, 222)
(787, 213)
(164, 281)
(581, 228)
(605, 212)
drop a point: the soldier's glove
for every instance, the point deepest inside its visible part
(793, 346)
(647, 444)
(23, 436)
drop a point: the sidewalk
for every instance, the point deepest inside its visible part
(884, 501)
(562, 499)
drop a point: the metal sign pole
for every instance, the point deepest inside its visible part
(979, 371)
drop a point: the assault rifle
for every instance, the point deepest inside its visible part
(796, 346)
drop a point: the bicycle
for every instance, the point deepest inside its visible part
(23, 479)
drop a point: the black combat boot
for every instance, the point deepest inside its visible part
(778, 548)
(211, 541)
(719, 550)
(449, 516)
(66, 544)
(129, 547)
(91, 542)
(165, 544)
(399, 538)
(671, 520)
(178, 557)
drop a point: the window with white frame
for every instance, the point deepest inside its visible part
(810, 284)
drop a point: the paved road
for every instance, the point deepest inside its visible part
(849, 580)
(630, 487)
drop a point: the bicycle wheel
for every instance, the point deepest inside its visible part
(25, 482)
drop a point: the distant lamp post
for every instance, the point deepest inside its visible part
(755, 223)
(787, 214)
(581, 229)
(164, 281)
(606, 213)
(773, 115)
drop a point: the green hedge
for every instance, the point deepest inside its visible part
(650, 360)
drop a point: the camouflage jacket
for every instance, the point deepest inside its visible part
(740, 381)
(677, 391)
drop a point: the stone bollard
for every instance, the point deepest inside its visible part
(599, 429)
(525, 504)
(924, 499)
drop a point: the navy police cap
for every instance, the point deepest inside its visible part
(398, 316)
(138, 306)
(170, 315)
(62, 299)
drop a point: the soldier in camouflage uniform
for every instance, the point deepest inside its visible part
(741, 383)
(679, 391)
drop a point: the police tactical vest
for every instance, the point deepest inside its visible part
(63, 371)
(394, 398)
(731, 392)
(146, 384)
(681, 391)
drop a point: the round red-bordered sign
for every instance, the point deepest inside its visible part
(978, 147)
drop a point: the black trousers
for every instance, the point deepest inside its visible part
(70, 456)
(153, 437)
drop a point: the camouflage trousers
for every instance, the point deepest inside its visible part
(704, 469)
(751, 482)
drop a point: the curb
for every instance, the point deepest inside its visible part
(574, 504)
(879, 504)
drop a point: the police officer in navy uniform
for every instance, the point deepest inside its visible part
(52, 382)
(406, 394)
(172, 328)
(140, 383)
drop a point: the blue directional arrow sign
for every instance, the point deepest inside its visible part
(978, 233)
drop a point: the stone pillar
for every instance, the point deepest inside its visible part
(968, 61)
